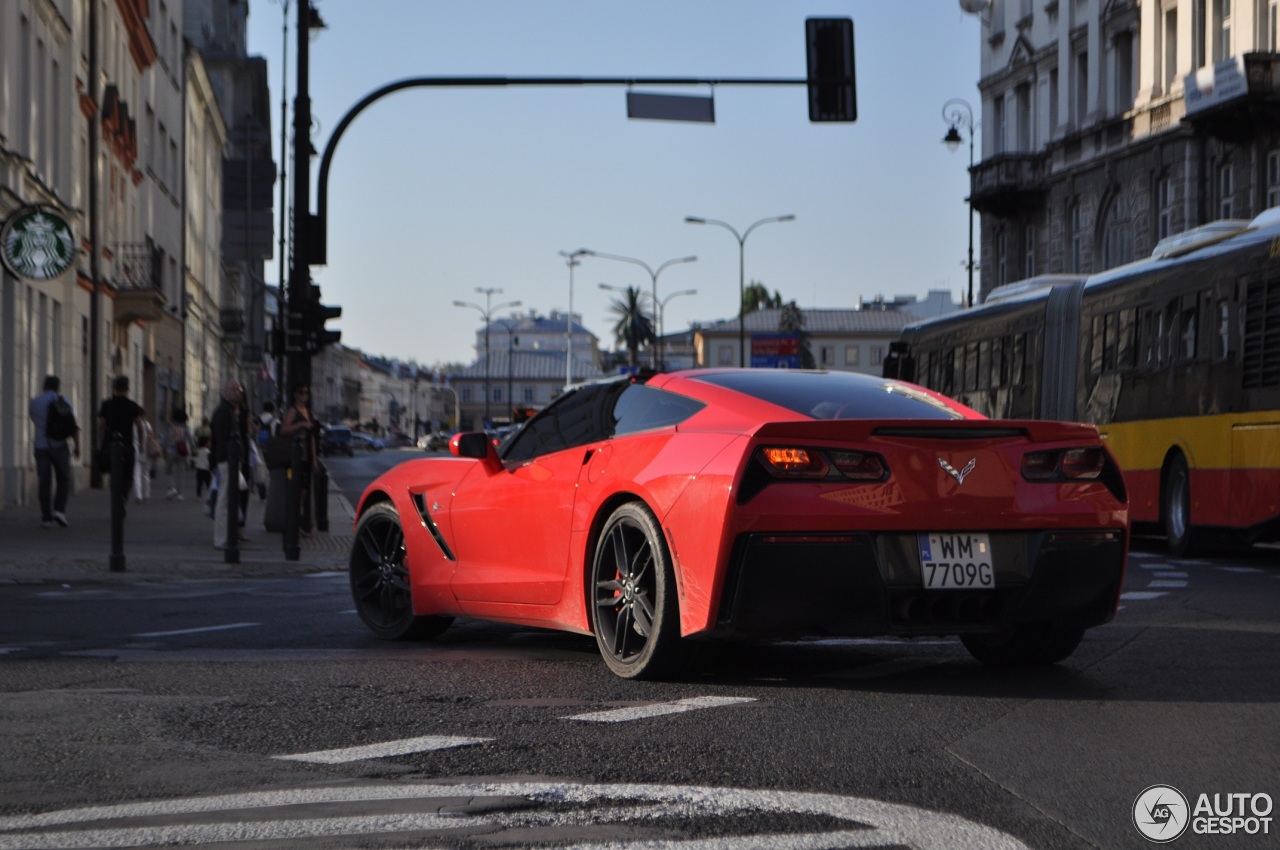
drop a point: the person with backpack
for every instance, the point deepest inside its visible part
(55, 427)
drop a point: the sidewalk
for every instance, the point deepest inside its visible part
(161, 538)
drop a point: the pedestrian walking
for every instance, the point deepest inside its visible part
(203, 466)
(301, 426)
(147, 452)
(179, 447)
(231, 413)
(55, 427)
(120, 427)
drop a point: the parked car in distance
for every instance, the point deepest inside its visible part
(367, 441)
(336, 439)
(437, 442)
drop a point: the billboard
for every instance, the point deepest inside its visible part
(775, 351)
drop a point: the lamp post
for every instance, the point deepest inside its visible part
(571, 260)
(958, 113)
(653, 276)
(487, 312)
(742, 263)
(662, 313)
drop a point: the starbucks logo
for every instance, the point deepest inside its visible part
(37, 244)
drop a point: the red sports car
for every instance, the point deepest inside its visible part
(753, 502)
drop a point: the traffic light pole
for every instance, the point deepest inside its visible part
(298, 354)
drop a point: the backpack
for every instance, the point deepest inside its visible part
(60, 422)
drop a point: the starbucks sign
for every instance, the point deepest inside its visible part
(37, 243)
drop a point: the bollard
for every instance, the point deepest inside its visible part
(231, 492)
(292, 496)
(120, 470)
(320, 496)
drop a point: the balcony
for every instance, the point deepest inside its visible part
(1237, 99)
(138, 283)
(1008, 184)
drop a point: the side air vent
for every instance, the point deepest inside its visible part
(420, 504)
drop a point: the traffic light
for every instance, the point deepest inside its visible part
(829, 51)
(318, 337)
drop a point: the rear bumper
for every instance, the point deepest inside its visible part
(870, 584)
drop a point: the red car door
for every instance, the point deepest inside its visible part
(511, 528)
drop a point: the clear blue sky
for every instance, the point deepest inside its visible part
(436, 192)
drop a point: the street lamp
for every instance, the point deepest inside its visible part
(653, 276)
(958, 113)
(571, 260)
(662, 312)
(487, 312)
(742, 258)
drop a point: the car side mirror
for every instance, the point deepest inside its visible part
(477, 445)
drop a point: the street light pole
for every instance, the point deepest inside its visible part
(958, 113)
(571, 260)
(742, 265)
(487, 312)
(653, 277)
(662, 313)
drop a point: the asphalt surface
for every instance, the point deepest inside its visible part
(162, 537)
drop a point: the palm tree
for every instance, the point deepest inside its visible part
(634, 326)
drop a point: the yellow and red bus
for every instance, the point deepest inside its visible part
(1176, 359)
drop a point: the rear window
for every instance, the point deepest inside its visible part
(834, 395)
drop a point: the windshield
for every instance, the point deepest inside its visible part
(834, 395)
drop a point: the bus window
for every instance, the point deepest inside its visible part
(1224, 329)
(1126, 350)
(1095, 346)
(1187, 327)
(999, 369)
(1019, 360)
(971, 367)
(984, 365)
(947, 373)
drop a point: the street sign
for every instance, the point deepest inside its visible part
(671, 107)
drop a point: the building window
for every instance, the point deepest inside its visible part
(1117, 240)
(1197, 34)
(1022, 101)
(1073, 226)
(1222, 29)
(828, 355)
(877, 355)
(1273, 178)
(1029, 251)
(1273, 26)
(466, 393)
(1082, 87)
(1122, 50)
(1226, 190)
(725, 355)
(528, 394)
(497, 393)
(1170, 49)
(997, 129)
(1164, 207)
(852, 355)
(1053, 99)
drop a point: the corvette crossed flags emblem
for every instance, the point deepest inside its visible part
(958, 474)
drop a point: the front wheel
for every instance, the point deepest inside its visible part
(1176, 504)
(1027, 645)
(380, 579)
(634, 613)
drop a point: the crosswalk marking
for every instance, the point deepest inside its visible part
(640, 712)
(197, 631)
(1171, 584)
(1142, 595)
(389, 748)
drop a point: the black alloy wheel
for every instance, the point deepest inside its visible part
(1175, 504)
(380, 579)
(1025, 645)
(635, 614)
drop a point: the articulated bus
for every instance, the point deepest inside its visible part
(1176, 359)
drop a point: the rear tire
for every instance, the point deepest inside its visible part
(380, 582)
(634, 611)
(1027, 645)
(1175, 503)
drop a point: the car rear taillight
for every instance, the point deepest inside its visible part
(814, 464)
(794, 463)
(858, 466)
(1080, 464)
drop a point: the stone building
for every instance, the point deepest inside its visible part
(1108, 125)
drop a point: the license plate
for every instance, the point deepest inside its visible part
(956, 561)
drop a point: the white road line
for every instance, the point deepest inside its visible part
(1242, 570)
(1140, 595)
(197, 631)
(640, 712)
(1170, 584)
(5, 650)
(1158, 565)
(389, 748)
(1171, 574)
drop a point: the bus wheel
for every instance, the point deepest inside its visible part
(1176, 506)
